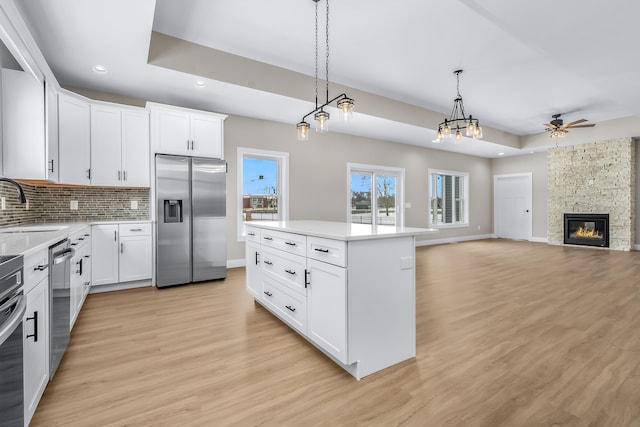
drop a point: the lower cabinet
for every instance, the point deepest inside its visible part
(252, 268)
(80, 283)
(36, 346)
(121, 253)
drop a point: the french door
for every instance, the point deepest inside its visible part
(375, 195)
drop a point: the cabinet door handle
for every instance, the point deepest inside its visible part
(290, 272)
(267, 262)
(121, 248)
(192, 144)
(187, 144)
(34, 335)
(290, 243)
(256, 257)
(124, 175)
(119, 175)
(115, 236)
(268, 238)
(51, 168)
(89, 173)
(324, 251)
(40, 268)
(292, 309)
(307, 273)
(267, 293)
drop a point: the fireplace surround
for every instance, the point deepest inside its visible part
(586, 229)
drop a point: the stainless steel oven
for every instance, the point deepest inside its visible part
(12, 308)
(60, 256)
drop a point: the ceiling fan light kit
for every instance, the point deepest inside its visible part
(458, 120)
(344, 103)
(557, 128)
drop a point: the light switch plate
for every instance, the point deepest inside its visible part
(134, 204)
(406, 262)
(74, 205)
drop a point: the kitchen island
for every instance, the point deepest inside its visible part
(349, 289)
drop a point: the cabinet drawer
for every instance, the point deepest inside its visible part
(137, 229)
(327, 250)
(253, 234)
(289, 242)
(289, 306)
(79, 238)
(36, 268)
(288, 269)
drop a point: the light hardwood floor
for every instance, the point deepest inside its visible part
(508, 333)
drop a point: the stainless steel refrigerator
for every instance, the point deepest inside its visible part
(191, 244)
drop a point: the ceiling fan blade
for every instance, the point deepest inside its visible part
(550, 126)
(575, 123)
(583, 126)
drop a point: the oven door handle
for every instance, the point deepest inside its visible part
(61, 257)
(11, 324)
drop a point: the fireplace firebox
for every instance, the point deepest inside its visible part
(586, 229)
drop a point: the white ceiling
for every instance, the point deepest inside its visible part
(523, 61)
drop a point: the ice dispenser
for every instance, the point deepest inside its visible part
(173, 211)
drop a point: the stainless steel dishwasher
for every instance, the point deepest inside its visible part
(13, 305)
(60, 256)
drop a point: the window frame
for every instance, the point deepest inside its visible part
(465, 198)
(376, 170)
(283, 181)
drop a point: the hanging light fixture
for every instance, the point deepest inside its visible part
(458, 121)
(343, 102)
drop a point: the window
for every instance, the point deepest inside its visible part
(375, 195)
(448, 195)
(262, 187)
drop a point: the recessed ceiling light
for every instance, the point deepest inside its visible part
(500, 154)
(200, 83)
(100, 69)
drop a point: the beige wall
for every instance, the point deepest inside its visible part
(536, 164)
(318, 172)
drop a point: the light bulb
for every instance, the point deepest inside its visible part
(322, 121)
(471, 129)
(346, 108)
(303, 131)
(446, 131)
(458, 136)
(439, 136)
(478, 132)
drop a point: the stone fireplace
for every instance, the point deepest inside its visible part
(586, 229)
(594, 178)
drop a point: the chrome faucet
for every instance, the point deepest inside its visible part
(23, 199)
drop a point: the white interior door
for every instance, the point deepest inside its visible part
(512, 206)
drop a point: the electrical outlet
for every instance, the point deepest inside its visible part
(74, 205)
(134, 204)
(407, 205)
(406, 262)
(3, 203)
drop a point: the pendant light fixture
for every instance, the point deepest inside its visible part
(343, 102)
(458, 120)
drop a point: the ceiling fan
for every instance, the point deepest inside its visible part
(557, 129)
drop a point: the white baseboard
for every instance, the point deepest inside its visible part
(236, 263)
(453, 239)
(119, 286)
(540, 239)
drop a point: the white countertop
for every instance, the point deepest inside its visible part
(341, 230)
(25, 243)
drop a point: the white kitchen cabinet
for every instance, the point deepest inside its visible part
(104, 254)
(119, 146)
(51, 125)
(355, 298)
(252, 268)
(74, 120)
(121, 253)
(187, 132)
(327, 308)
(36, 331)
(80, 271)
(24, 149)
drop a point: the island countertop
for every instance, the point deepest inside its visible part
(341, 230)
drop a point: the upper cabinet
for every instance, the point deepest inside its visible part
(51, 136)
(187, 132)
(74, 120)
(119, 146)
(24, 148)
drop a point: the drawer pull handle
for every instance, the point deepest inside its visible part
(267, 293)
(74, 244)
(324, 251)
(87, 256)
(40, 268)
(266, 261)
(290, 243)
(290, 308)
(34, 335)
(80, 238)
(268, 238)
(87, 283)
(87, 235)
(290, 272)
(135, 229)
(251, 234)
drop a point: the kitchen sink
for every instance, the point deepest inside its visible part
(33, 229)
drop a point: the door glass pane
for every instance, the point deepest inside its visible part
(260, 189)
(361, 198)
(386, 203)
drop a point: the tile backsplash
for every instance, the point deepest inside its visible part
(51, 204)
